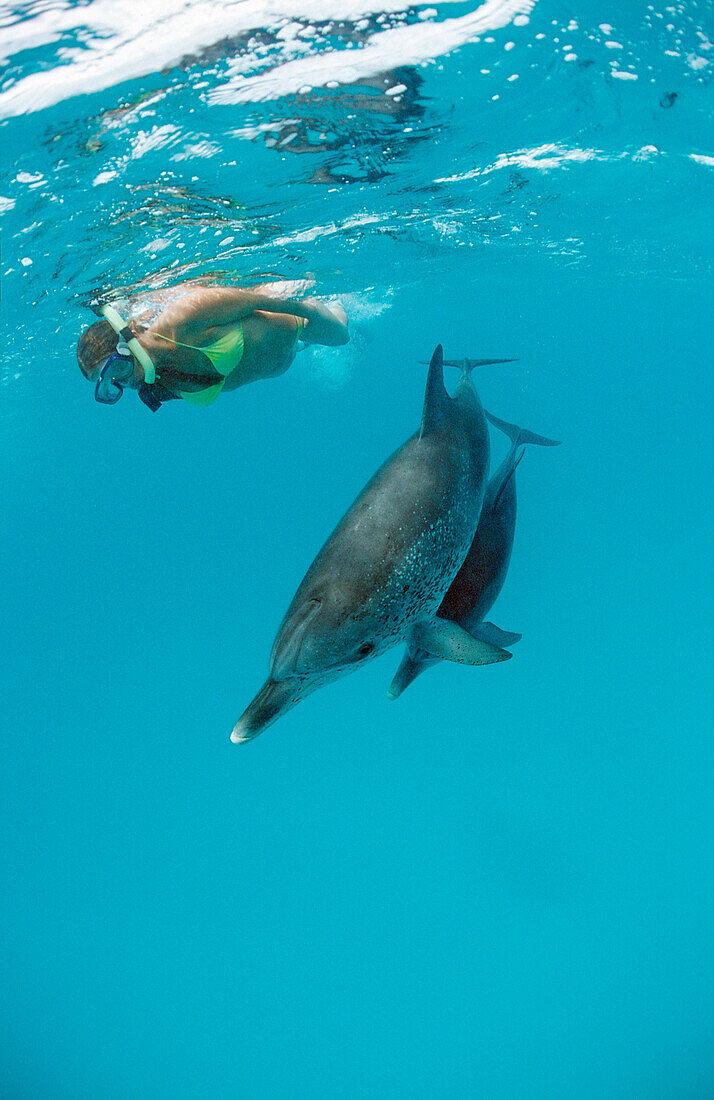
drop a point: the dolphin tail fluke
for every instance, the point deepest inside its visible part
(449, 641)
(518, 435)
(467, 365)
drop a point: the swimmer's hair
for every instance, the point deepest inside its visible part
(95, 344)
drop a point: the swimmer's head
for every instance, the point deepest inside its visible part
(103, 360)
(95, 346)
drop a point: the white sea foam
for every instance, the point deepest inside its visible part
(328, 230)
(405, 45)
(104, 177)
(124, 41)
(542, 157)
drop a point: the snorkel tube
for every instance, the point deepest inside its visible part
(124, 333)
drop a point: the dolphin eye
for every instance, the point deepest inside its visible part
(365, 649)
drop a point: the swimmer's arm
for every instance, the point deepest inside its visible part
(326, 325)
(209, 308)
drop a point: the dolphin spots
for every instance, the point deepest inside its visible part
(483, 572)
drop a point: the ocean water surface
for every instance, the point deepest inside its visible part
(500, 885)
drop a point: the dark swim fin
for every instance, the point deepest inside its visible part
(155, 395)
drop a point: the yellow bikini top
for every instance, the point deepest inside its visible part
(225, 354)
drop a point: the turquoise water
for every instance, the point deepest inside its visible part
(500, 885)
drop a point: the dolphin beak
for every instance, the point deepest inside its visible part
(273, 699)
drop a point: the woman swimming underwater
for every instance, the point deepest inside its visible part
(206, 339)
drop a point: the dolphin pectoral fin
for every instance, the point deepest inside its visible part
(489, 632)
(413, 663)
(405, 674)
(446, 639)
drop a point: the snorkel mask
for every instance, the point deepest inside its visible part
(118, 370)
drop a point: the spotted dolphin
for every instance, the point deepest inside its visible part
(384, 571)
(481, 577)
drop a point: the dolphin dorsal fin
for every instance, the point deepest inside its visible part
(512, 463)
(436, 397)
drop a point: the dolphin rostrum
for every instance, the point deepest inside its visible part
(481, 577)
(388, 564)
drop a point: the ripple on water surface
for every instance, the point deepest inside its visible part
(346, 140)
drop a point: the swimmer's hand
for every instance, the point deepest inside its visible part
(338, 310)
(325, 324)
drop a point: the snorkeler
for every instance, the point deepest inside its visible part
(206, 340)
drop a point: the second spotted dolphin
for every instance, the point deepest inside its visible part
(481, 577)
(381, 576)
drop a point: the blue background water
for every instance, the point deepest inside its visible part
(500, 885)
